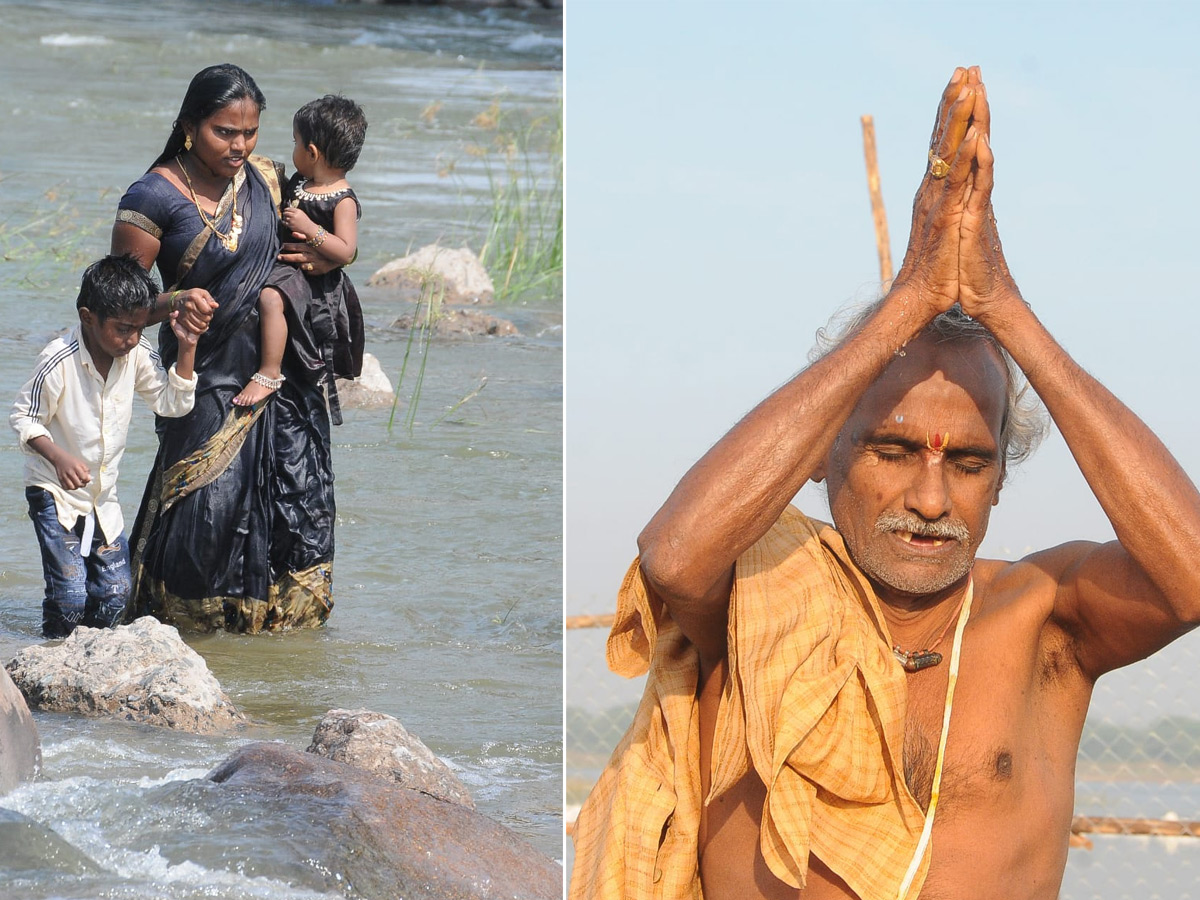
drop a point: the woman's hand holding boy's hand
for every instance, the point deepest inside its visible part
(194, 306)
(184, 334)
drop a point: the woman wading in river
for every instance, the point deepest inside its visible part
(235, 529)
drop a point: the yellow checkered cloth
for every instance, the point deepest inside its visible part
(815, 703)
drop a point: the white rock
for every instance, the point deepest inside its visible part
(463, 275)
(371, 389)
(142, 672)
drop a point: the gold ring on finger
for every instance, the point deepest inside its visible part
(938, 167)
(307, 267)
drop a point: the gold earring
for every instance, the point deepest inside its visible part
(187, 142)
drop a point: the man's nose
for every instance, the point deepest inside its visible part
(928, 495)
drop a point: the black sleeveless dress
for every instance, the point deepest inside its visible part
(325, 325)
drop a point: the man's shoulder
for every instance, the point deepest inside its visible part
(795, 539)
(1012, 584)
(794, 526)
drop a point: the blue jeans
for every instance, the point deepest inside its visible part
(91, 590)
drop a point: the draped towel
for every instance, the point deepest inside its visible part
(814, 703)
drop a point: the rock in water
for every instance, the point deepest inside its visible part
(386, 841)
(379, 743)
(370, 390)
(142, 672)
(20, 745)
(27, 847)
(459, 272)
(459, 323)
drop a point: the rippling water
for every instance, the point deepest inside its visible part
(448, 573)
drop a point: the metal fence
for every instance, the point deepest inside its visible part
(1136, 832)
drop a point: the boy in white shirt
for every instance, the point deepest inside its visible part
(72, 418)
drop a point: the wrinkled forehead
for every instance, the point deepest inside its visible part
(960, 383)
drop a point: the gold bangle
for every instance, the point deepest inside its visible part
(171, 301)
(317, 239)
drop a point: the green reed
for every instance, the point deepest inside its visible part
(523, 243)
(521, 223)
(420, 334)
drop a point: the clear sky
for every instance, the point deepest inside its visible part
(717, 213)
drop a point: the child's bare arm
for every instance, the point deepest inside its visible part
(72, 471)
(186, 361)
(339, 245)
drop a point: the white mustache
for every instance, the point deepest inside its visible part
(942, 529)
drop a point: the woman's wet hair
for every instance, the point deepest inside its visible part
(114, 285)
(1025, 421)
(336, 126)
(211, 90)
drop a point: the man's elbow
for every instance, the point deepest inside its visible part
(669, 571)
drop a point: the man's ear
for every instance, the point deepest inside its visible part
(1000, 483)
(821, 472)
(86, 315)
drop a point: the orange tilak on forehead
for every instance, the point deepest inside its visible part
(937, 442)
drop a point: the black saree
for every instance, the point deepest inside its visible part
(235, 528)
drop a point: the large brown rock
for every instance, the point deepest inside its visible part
(380, 744)
(20, 744)
(142, 672)
(387, 841)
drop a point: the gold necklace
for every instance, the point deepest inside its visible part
(228, 241)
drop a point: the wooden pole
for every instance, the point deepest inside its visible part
(1118, 825)
(877, 211)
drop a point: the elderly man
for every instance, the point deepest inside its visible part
(868, 710)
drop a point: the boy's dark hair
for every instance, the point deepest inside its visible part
(210, 90)
(116, 284)
(336, 126)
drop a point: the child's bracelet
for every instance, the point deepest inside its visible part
(317, 239)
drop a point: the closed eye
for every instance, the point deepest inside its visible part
(890, 452)
(971, 465)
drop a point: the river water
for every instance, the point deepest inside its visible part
(448, 575)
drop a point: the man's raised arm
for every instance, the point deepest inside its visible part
(1123, 600)
(734, 494)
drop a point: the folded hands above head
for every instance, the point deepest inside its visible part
(954, 253)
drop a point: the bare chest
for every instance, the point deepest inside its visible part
(1011, 724)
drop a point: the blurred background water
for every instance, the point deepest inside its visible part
(448, 570)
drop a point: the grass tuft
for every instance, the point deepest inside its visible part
(425, 317)
(523, 243)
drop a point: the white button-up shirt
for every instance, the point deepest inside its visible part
(87, 415)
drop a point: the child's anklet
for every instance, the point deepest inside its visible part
(273, 384)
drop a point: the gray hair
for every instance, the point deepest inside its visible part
(1025, 421)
